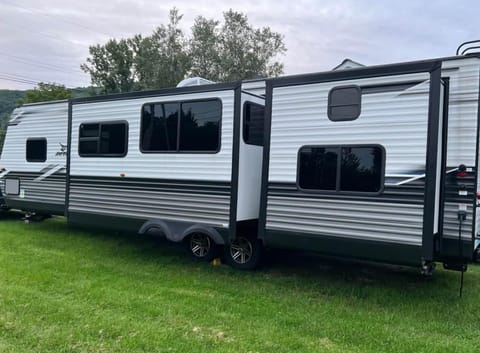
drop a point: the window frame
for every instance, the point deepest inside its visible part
(99, 137)
(26, 149)
(178, 151)
(244, 123)
(338, 175)
(329, 103)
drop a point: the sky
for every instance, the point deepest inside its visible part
(47, 40)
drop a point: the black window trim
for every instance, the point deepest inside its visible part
(180, 102)
(46, 150)
(98, 138)
(358, 88)
(337, 185)
(244, 122)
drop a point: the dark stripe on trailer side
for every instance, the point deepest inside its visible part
(443, 167)
(411, 193)
(262, 221)
(370, 250)
(235, 161)
(431, 163)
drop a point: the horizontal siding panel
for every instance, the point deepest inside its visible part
(189, 201)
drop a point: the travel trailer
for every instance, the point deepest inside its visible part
(376, 163)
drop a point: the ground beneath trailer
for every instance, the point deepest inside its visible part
(69, 290)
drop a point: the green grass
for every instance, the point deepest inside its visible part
(64, 289)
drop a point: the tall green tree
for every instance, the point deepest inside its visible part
(111, 66)
(46, 92)
(162, 59)
(232, 50)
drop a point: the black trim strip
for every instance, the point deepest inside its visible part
(357, 73)
(443, 168)
(431, 163)
(235, 161)
(161, 92)
(266, 160)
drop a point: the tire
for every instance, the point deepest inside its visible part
(202, 247)
(243, 253)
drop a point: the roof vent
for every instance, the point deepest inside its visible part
(194, 81)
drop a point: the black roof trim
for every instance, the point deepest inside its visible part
(365, 72)
(160, 92)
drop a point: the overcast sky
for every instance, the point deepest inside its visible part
(47, 40)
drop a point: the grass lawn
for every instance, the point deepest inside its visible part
(64, 289)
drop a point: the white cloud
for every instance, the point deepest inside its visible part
(48, 40)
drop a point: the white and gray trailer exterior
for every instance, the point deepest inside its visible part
(179, 188)
(413, 130)
(34, 158)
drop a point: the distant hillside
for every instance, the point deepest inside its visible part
(8, 102)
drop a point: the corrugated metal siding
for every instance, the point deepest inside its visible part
(462, 113)
(462, 140)
(400, 223)
(195, 201)
(48, 190)
(299, 117)
(152, 165)
(397, 120)
(37, 121)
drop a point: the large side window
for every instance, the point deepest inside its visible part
(344, 103)
(36, 150)
(108, 139)
(187, 126)
(160, 127)
(341, 168)
(253, 119)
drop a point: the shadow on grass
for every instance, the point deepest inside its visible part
(282, 268)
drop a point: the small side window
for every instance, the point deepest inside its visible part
(36, 150)
(109, 139)
(253, 118)
(344, 103)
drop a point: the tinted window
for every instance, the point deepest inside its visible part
(344, 103)
(361, 169)
(103, 139)
(89, 130)
(160, 127)
(113, 139)
(36, 150)
(318, 168)
(341, 168)
(200, 126)
(253, 123)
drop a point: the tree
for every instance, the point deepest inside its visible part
(161, 60)
(45, 92)
(234, 50)
(111, 66)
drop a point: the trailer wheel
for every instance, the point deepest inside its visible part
(243, 253)
(202, 247)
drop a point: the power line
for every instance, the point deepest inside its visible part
(36, 10)
(38, 63)
(31, 79)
